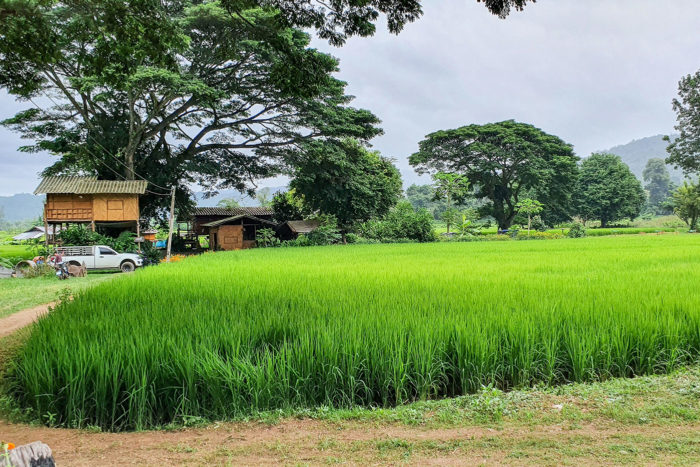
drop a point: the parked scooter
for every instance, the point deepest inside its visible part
(61, 268)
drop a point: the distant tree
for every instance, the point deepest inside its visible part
(263, 196)
(505, 161)
(658, 184)
(529, 206)
(346, 180)
(686, 203)
(607, 190)
(228, 203)
(450, 187)
(684, 152)
(289, 206)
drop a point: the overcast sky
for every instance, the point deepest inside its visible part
(596, 73)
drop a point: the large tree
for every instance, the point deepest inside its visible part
(684, 151)
(607, 190)
(658, 184)
(505, 162)
(346, 180)
(335, 20)
(177, 92)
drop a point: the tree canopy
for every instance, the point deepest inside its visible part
(336, 20)
(658, 184)
(607, 190)
(684, 152)
(686, 203)
(181, 93)
(346, 180)
(505, 162)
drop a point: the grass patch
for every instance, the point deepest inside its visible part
(231, 335)
(17, 294)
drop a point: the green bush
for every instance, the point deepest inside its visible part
(78, 235)
(266, 238)
(402, 222)
(576, 230)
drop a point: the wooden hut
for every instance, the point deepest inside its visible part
(292, 229)
(235, 232)
(109, 204)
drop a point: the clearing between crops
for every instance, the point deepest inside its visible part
(227, 336)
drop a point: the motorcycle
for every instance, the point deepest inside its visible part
(62, 271)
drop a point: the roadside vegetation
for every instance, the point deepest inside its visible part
(223, 336)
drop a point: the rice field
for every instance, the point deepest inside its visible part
(226, 335)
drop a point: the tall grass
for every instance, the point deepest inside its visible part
(225, 335)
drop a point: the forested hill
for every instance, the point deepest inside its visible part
(638, 152)
(21, 207)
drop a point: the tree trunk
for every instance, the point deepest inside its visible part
(529, 223)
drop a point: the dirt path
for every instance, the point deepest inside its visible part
(23, 318)
(317, 442)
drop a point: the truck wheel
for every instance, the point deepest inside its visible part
(127, 266)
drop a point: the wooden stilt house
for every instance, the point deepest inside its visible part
(111, 205)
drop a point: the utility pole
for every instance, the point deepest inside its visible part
(170, 227)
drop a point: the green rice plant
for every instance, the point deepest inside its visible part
(226, 335)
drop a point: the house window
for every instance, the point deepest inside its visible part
(249, 232)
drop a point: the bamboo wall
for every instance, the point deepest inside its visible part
(111, 207)
(86, 208)
(66, 207)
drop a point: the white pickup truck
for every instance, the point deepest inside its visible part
(100, 257)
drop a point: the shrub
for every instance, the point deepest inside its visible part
(402, 222)
(325, 234)
(81, 235)
(266, 238)
(576, 230)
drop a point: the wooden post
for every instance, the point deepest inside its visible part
(46, 230)
(138, 234)
(170, 226)
(92, 225)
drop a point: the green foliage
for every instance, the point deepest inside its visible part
(505, 161)
(289, 206)
(686, 203)
(577, 230)
(372, 325)
(402, 222)
(325, 234)
(124, 90)
(529, 206)
(452, 188)
(79, 235)
(658, 185)
(607, 190)
(266, 238)
(229, 203)
(344, 18)
(684, 152)
(346, 180)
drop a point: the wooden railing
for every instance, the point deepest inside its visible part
(68, 214)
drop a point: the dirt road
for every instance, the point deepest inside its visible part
(23, 318)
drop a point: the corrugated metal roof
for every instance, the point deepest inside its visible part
(303, 227)
(89, 185)
(216, 211)
(219, 222)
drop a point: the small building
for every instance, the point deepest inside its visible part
(292, 229)
(235, 232)
(112, 205)
(35, 233)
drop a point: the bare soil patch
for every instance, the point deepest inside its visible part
(321, 442)
(22, 318)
